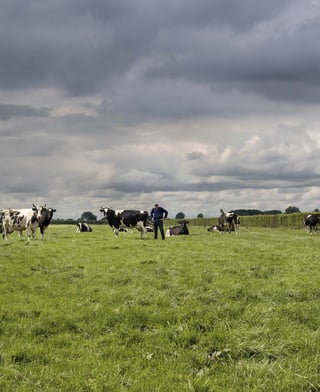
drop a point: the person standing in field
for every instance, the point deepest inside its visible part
(158, 214)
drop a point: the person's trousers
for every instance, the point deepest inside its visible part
(158, 224)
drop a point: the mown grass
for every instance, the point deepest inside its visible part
(205, 312)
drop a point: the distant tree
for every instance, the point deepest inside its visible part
(88, 216)
(291, 210)
(316, 210)
(200, 215)
(272, 212)
(180, 215)
(251, 212)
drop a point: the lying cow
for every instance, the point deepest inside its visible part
(23, 219)
(311, 221)
(83, 227)
(219, 229)
(182, 229)
(126, 218)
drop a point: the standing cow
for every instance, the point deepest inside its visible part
(311, 221)
(181, 229)
(23, 219)
(230, 218)
(45, 219)
(127, 218)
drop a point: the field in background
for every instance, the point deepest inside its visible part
(205, 312)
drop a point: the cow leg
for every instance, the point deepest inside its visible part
(4, 233)
(116, 231)
(142, 230)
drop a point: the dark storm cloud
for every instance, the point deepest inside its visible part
(81, 46)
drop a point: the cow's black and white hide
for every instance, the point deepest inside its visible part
(311, 221)
(126, 218)
(230, 220)
(22, 219)
(218, 228)
(83, 227)
(45, 219)
(181, 229)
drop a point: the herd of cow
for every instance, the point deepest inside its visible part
(119, 220)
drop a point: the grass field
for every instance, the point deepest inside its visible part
(205, 312)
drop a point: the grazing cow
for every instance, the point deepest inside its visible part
(83, 227)
(126, 218)
(45, 219)
(230, 218)
(182, 229)
(311, 222)
(23, 219)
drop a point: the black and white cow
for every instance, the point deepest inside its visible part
(230, 218)
(22, 219)
(45, 219)
(218, 228)
(83, 227)
(126, 218)
(182, 229)
(311, 221)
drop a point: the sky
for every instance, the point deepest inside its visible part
(194, 104)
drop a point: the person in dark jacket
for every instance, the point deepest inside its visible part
(158, 214)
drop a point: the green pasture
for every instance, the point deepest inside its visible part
(205, 312)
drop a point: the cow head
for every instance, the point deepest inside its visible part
(38, 211)
(109, 213)
(104, 210)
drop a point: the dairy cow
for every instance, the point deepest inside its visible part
(22, 219)
(45, 219)
(181, 229)
(311, 221)
(126, 218)
(218, 228)
(230, 219)
(83, 227)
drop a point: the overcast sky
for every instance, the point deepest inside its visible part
(195, 104)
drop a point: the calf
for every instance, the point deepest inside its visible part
(83, 227)
(126, 218)
(182, 229)
(311, 221)
(19, 220)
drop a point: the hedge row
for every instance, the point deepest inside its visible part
(295, 221)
